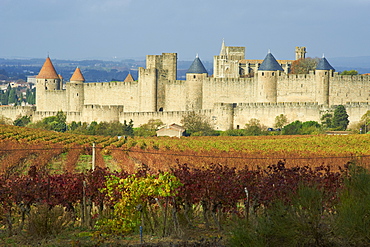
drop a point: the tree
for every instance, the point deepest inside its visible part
(148, 129)
(303, 65)
(310, 128)
(292, 128)
(254, 128)
(340, 118)
(197, 124)
(12, 98)
(365, 121)
(280, 121)
(22, 121)
(349, 72)
(56, 123)
(326, 120)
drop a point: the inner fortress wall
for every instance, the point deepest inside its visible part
(175, 96)
(112, 93)
(55, 100)
(296, 88)
(349, 88)
(227, 90)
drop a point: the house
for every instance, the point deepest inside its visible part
(173, 130)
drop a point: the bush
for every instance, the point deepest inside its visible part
(45, 221)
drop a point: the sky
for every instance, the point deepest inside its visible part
(132, 29)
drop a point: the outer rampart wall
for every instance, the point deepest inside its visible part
(266, 112)
(112, 93)
(166, 117)
(13, 112)
(101, 113)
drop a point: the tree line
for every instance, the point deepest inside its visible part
(199, 125)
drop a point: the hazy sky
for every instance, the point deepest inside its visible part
(107, 29)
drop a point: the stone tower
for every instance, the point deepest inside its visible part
(75, 89)
(194, 85)
(152, 81)
(267, 79)
(322, 75)
(46, 80)
(300, 52)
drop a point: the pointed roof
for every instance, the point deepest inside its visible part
(270, 64)
(77, 75)
(129, 78)
(47, 71)
(324, 65)
(197, 67)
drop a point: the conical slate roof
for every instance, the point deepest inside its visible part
(324, 65)
(129, 78)
(197, 67)
(270, 64)
(47, 71)
(77, 76)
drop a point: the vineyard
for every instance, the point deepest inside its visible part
(166, 186)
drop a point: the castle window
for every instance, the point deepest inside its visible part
(194, 76)
(77, 94)
(161, 109)
(273, 73)
(263, 73)
(237, 127)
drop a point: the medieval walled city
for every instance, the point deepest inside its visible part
(239, 90)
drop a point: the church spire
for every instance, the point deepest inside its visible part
(223, 48)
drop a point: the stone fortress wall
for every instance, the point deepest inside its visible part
(230, 97)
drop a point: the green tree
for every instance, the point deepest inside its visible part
(254, 128)
(340, 118)
(56, 123)
(326, 120)
(197, 124)
(12, 98)
(365, 121)
(280, 121)
(310, 128)
(349, 72)
(22, 121)
(292, 128)
(148, 129)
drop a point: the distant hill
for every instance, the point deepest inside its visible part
(361, 64)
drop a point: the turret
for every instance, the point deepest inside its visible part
(194, 85)
(322, 74)
(267, 79)
(300, 52)
(46, 80)
(75, 89)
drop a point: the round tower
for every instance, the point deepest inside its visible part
(46, 80)
(267, 79)
(194, 85)
(322, 75)
(75, 91)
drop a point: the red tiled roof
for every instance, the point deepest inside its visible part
(47, 71)
(129, 78)
(77, 75)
